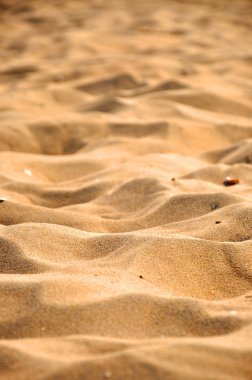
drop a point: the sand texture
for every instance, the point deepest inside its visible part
(123, 255)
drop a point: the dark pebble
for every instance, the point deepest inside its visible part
(228, 181)
(214, 206)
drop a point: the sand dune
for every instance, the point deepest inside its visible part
(123, 255)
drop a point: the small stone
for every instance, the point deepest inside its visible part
(28, 172)
(228, 181)
(214, 206)
(233, 312)
(217, 222)
(140, 276)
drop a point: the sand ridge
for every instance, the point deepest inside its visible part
(122, 253)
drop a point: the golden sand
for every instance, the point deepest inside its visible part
(125, 250)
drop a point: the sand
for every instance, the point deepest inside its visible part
(123, 255)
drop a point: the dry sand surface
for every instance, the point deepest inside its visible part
(123, 255)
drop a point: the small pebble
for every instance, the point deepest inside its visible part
(233, 312)
(140, 276)
(28, 172)
(173, 179)
(217, 222)
(228, 181)
(214, 206)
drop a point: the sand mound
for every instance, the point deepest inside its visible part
(123, 255)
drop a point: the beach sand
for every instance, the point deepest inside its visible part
(123, 254)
